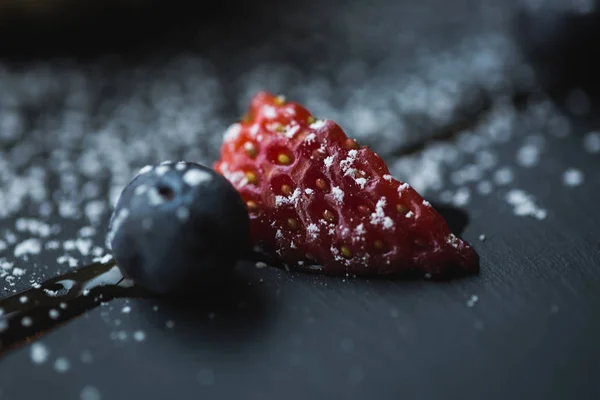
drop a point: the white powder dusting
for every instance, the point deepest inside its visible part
(310, 138)
(361, 182)
(472, 300)
(269, 112)
(524, 204)
(313, 230)
(194, 177)
(145, 169)
(291, 132)
(82, 245)
(328, 161)
(62, 365)
(94, 210)
(347, 163)
(33, 227)
(379, 217)
(87, 231)
(291, 199)
(39, 353)
(105, 259)
(6, 265)
(503, 176)
(452, 240)
(461, 197)
(318, 124)
(28, 246)
(338, 194)
(484, 187)
(161, 170)
(572, 177)
(232, 132)
(140, 190)
(360, 230)
(528, 155)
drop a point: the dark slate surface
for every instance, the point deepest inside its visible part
(532, 333)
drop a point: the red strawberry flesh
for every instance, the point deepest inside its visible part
(318, 201)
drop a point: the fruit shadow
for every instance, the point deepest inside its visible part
(457, 218)
(234, 313)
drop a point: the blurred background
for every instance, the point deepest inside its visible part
(117, 84)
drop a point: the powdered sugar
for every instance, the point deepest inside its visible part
(347, 163)
(292, 131)
(524, 204)
(453, 241)
(338, 194)
(291, 199)
(39, 353)
(379, 217)
(233, 132)
(28, 246)
(195, 177)
(313, 230)
(328, 161)
(318, 124)
(269, 112)
(362, 182)
(572, 177)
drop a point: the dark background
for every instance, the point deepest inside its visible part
(469, 101)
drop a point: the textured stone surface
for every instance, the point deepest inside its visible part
(394, 74)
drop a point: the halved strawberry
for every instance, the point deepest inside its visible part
(319, 201)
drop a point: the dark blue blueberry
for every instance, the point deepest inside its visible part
(178, 227)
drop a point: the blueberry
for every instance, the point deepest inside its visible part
(178, 227)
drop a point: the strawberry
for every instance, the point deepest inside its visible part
(319, 201)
